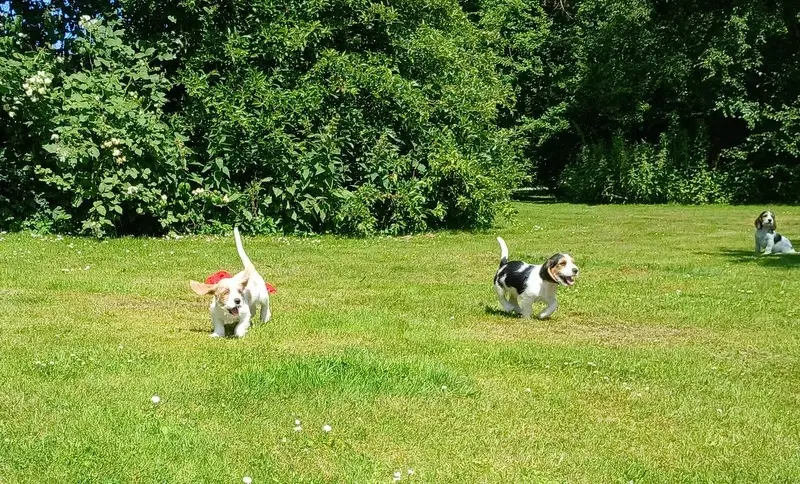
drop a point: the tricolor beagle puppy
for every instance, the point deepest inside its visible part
(518, 285)
(767, 238)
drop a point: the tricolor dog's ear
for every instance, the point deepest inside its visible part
(758, 223)
(552, 263)
(243, 281)
(774, 222)
(201, 288)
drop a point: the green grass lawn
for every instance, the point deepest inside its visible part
(676, 357)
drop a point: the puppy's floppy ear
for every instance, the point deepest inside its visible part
(758, 223)
(774, 222)
(547, 268)
(202, 289)
(243, 281)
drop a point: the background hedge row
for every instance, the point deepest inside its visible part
(353, 116)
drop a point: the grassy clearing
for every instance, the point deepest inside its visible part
(675, 358)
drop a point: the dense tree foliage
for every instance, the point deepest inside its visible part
(357, 116)
(656, 100)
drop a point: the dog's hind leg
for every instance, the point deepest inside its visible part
(266, 313)
(501, 297)
(512, 299)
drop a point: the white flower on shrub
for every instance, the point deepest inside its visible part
(116, 152)
(106, 144)
(87, 21)
(164, 198)
(11, 114)
(37, 84)
(225, 198)
(198, 191)
(132, 189)
(54, 137)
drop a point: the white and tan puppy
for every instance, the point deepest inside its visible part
(237, 298)
(519, 285)
(767, 238)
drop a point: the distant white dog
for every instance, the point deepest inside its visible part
(520, 285)
(769, 240)
(237, 298)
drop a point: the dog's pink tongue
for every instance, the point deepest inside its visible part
(235, 311)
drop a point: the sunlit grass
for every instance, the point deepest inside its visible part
(675, 358)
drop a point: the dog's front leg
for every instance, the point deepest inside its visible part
(243, 326)
(770, 244)
(758, 245)
(550, 309)
(219, 328)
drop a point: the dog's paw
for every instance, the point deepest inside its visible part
(215, 335)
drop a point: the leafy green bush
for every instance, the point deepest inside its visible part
(103, 155)
(673, 171)
(342, 112)
(351, 117)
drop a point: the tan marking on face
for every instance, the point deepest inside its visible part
(222, 294)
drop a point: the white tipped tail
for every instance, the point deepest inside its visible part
(503, 251)
(248, 266)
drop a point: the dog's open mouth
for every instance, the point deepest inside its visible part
(234, 311)
(568, 280)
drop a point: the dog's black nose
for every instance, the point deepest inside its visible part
(237, 301)
(574, 270)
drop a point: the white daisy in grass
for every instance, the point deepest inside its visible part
(247, 480)
(326, 428)
(155, 399)
(396, 476)
(411, 472)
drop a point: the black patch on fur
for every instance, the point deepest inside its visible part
(516, 275)
(777, 238)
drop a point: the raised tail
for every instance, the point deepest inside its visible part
(248, 266)
(503, 251)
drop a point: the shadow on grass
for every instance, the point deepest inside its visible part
(499, 312)
(785, 261)
(533, 195)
